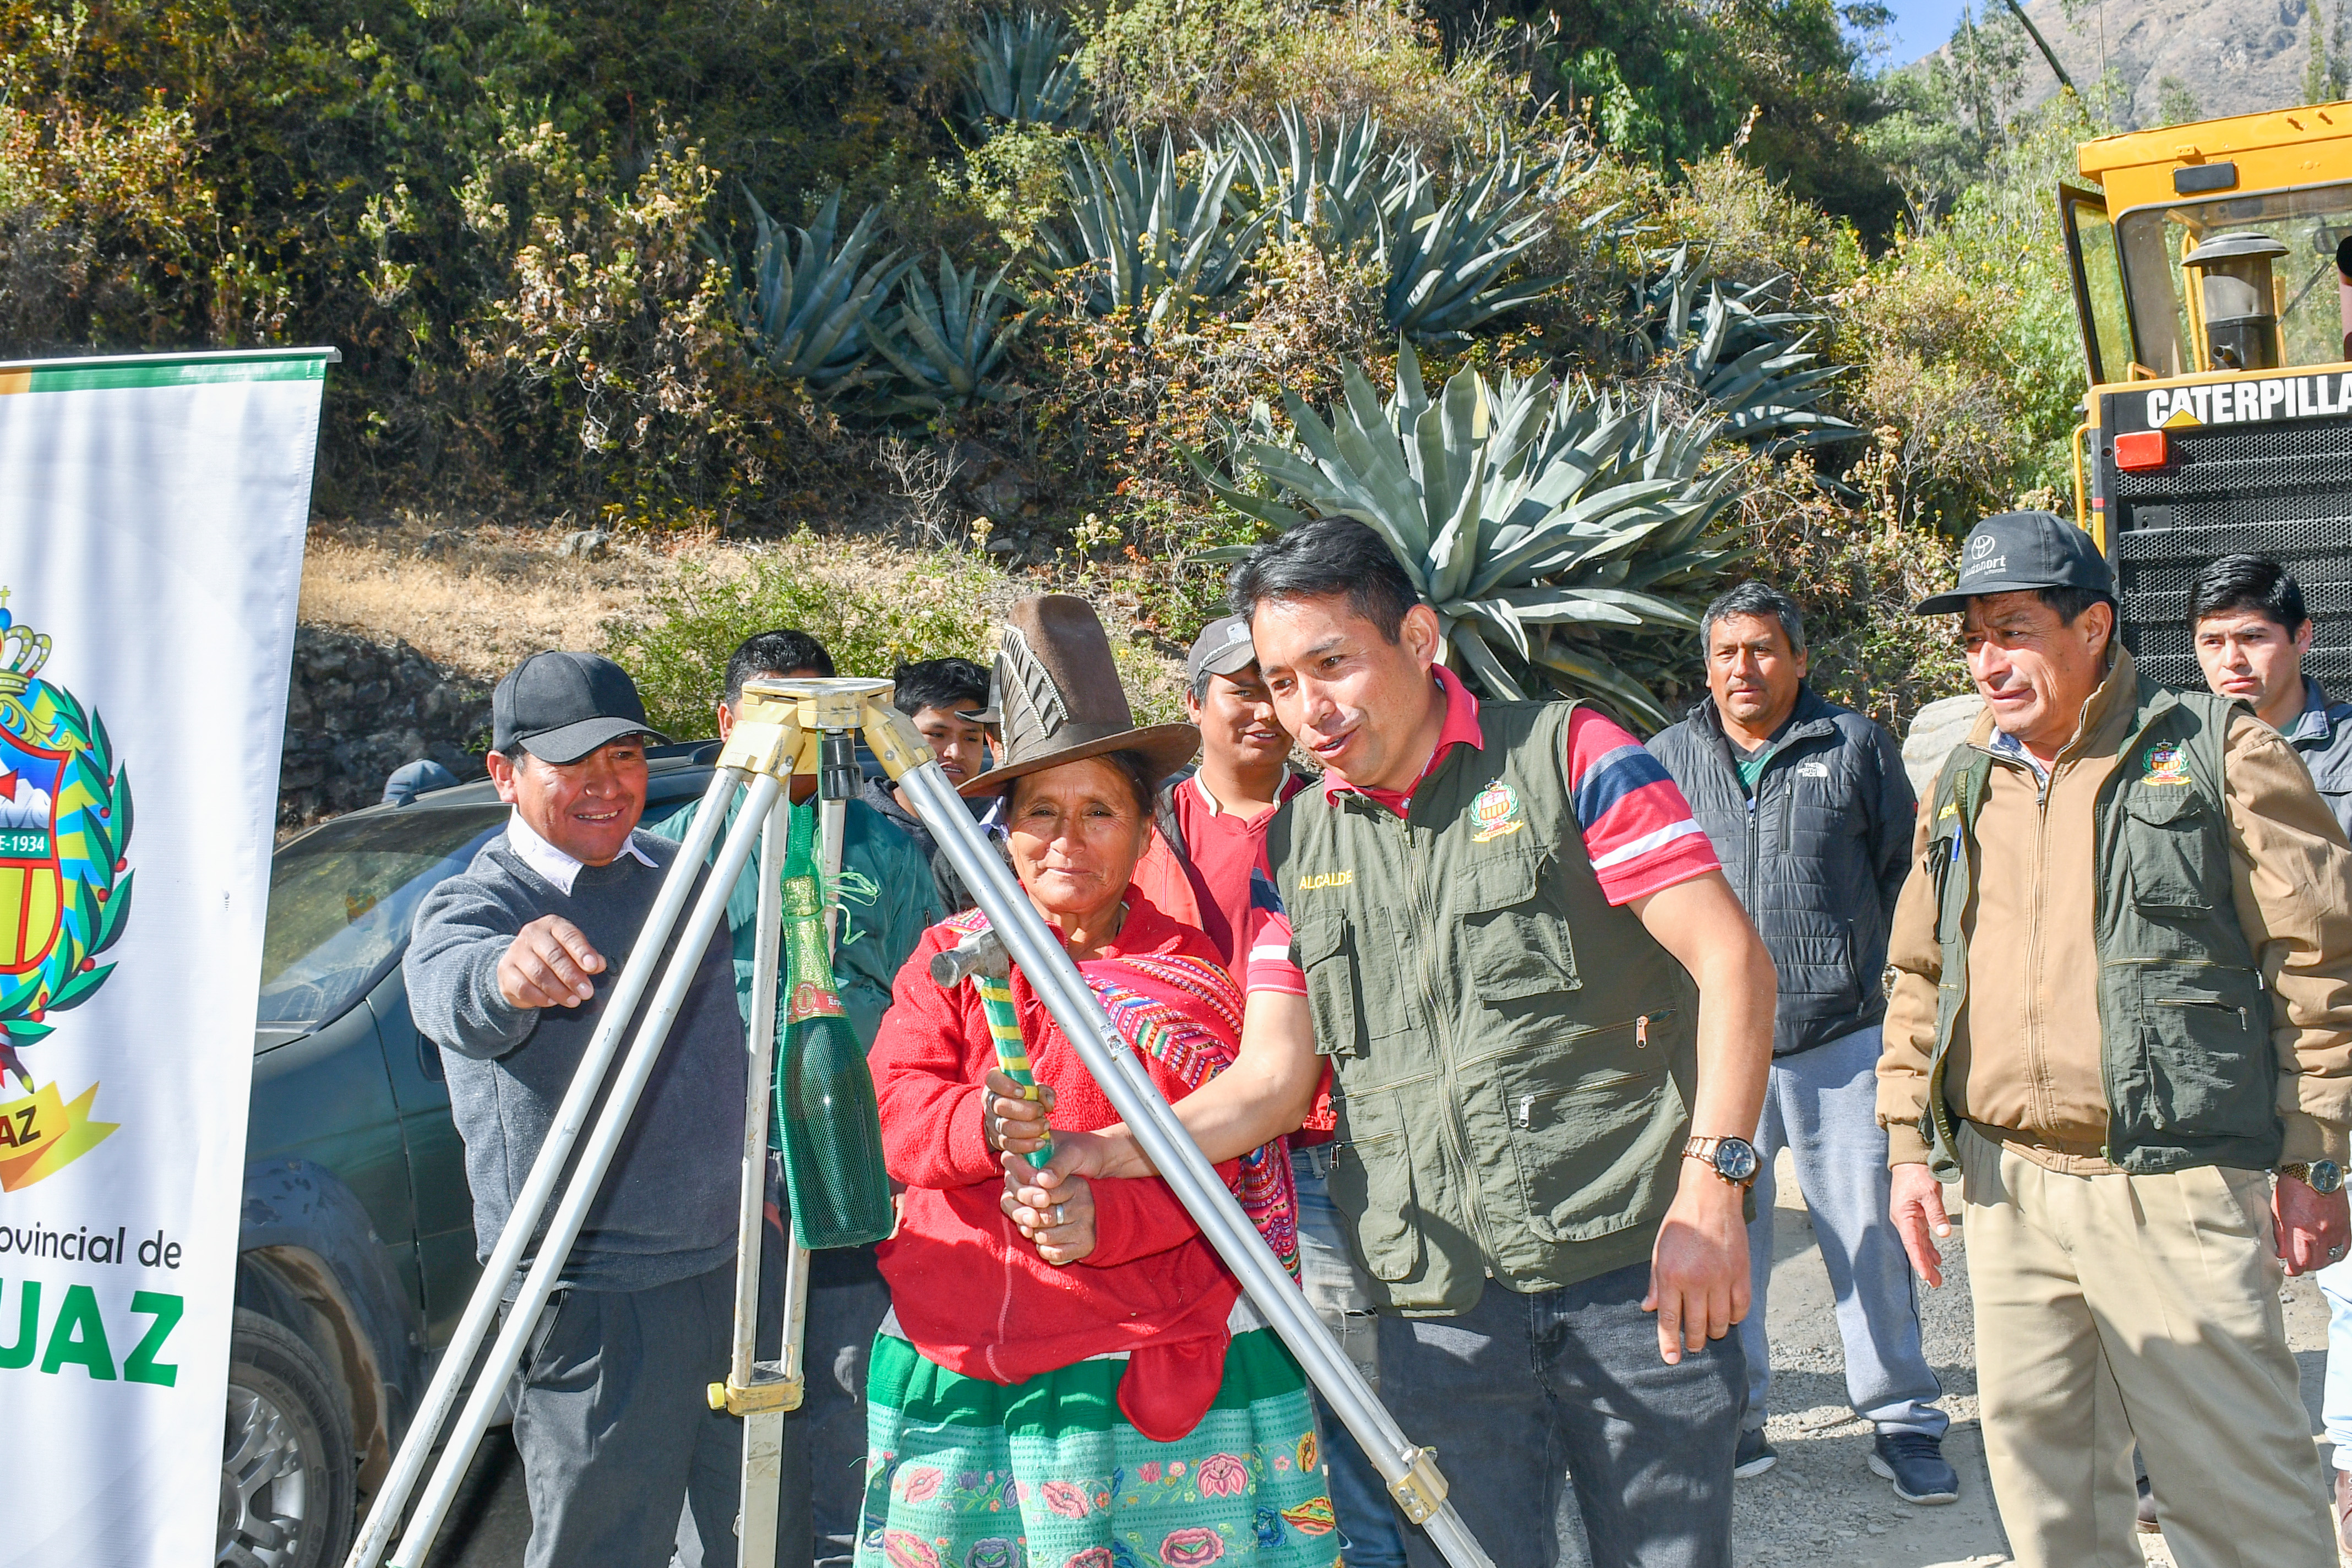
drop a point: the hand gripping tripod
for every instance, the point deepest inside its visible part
(776, 735)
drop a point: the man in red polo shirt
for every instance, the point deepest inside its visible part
(1221, 809)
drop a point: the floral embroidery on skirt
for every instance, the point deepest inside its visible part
(965, 1473)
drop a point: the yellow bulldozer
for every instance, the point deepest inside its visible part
(2213, 271)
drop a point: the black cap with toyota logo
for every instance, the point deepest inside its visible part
(2021, 551)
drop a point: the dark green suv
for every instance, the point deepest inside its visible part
(356, 1254)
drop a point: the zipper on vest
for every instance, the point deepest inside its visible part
(1454, 1137)
(2218, 1007)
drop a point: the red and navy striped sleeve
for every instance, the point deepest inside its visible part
(1638, 828)
(1269, 966)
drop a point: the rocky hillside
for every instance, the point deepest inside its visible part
(2227, 57)
(362, 704)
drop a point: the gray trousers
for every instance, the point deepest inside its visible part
(1519, 1393)
(1821, 1105)
(614, 1428)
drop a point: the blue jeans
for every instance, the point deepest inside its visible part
(1522, 1395)
(1368, 1529)
(2335, 1396)
(1822, 1106)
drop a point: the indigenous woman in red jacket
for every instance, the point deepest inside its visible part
(1082, 1386)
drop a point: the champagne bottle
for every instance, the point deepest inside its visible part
(825, 1093)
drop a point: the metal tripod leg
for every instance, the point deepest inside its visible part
(764, 1392)
(759, 1392)
(596, 1158)
(1409, 1470)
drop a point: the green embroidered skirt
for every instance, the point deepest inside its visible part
(965, 1473)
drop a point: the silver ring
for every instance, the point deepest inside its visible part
(2335, 1252)
(1059, 1222)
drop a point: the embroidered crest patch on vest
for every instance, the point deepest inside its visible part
(2166, 764)
(1496, 812)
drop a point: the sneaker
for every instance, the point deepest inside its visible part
(1756, 1454)
(1915, 1463)
(2146, 1523)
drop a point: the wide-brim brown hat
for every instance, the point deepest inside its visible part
(1055, 690)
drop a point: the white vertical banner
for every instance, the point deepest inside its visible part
(152, 518)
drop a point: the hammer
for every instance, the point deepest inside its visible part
(981, 958)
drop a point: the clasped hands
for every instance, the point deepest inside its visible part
(1053, 1208)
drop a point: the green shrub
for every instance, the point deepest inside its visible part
(1969, 341)
(942, 605)
(1194, 64)
(1856, 569)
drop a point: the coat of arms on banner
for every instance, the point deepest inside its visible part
(65, 891)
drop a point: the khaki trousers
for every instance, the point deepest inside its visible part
(2114, 1308)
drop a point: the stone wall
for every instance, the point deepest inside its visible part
(360, 707)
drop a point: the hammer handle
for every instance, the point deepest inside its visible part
(1012, 1054)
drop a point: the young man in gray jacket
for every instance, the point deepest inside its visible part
(1810, 813)
(508, 971)
(2250, 630)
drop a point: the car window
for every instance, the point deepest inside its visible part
(341, 901)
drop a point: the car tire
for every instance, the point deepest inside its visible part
(288, 1473)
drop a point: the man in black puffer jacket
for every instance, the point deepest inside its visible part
(1810, 813)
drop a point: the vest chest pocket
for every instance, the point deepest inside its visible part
(1328, 956)
(1371, 1182)
(1512, 946)
(2175, 848)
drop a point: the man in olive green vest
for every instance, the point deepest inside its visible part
(1549, 1023)
(2123, 1000)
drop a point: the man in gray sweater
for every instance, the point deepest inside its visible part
(508, 970)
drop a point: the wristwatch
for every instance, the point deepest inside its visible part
(1733, 1159)
(2320, 1176)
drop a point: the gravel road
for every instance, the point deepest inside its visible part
(1821, 1504)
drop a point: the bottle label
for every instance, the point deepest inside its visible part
(811, 1000)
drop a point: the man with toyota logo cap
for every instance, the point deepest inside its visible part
(2122, 1007)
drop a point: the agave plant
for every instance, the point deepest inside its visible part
(1149, 241)
(1534, 520)
(1333, 185)
(805, 312)
(1747, 361)
(1444, 258)
(944, 345)
(1023, 73)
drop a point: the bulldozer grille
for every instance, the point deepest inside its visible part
(2283, 491)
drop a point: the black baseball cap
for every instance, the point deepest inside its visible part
(560, 707)
(1223, 648)
(2016, 551)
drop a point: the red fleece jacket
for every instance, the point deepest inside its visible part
(971, 1293)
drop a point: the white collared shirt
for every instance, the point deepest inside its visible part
(550, 862)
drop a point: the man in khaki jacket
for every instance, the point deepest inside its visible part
(2123, 998)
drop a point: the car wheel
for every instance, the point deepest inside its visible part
(287, 1467)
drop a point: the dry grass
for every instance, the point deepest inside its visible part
(479, 597)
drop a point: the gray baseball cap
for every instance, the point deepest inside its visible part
(560, 707)
(2015, 551)
(1223, 648)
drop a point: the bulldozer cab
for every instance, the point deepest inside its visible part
(2210, 274)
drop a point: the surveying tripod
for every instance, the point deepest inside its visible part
(785, 727)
